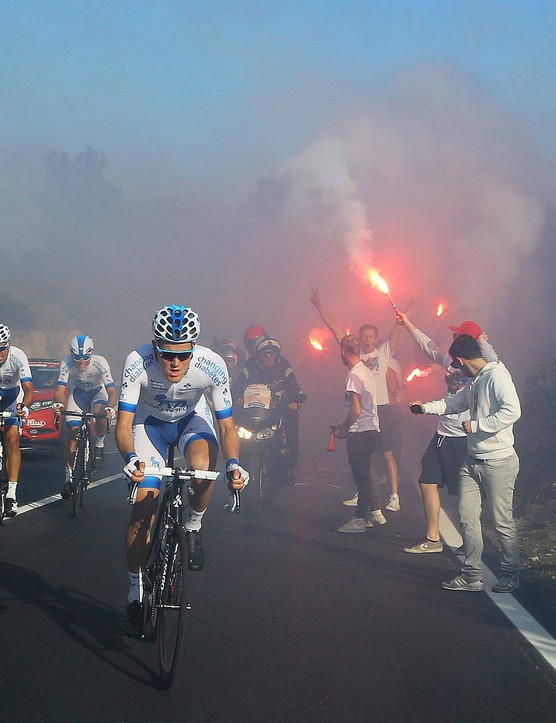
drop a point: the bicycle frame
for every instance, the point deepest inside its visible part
(82, 463)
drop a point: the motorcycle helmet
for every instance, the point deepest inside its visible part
(176, 324)
(252, 336)
(268, 344)
(227, 350)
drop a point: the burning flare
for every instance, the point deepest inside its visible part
(316, 344)
(417, 372)
(377, 282)
(439, 310)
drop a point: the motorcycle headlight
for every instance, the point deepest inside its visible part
(243, 433)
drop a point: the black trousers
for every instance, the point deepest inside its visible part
(360, 446)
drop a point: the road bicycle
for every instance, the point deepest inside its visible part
(165, 601)
(83, 462)
(3, 471)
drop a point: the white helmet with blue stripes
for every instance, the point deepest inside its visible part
(81, 346)
(176, 324)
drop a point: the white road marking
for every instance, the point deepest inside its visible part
(531, 630)
(48, 500)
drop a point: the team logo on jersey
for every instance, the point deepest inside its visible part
(156, 384)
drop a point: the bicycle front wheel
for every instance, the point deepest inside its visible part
(173, 606)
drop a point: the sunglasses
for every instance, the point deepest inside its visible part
(3, 348)
(269, 353)
(81, 357)
(456, 364)
(171, 355)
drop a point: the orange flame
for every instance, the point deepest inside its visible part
(439, 310)
(377, 282)
(316, 344)
(348, 332)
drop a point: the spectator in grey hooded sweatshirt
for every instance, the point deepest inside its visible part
(491, 466)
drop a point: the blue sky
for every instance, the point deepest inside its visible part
(245, 84)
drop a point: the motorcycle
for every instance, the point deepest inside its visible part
(259, 419)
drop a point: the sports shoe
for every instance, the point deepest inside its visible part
(393, 504)
(133, 622)
(356, 524)
(507, 582)
(99, 457)
(67, 491)
(10, 507)
(462, 583)
(375, 518)
(425, 546)
(195, 547)
(351, 502)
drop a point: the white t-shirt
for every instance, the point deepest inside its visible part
(377, 361)
(363, 382)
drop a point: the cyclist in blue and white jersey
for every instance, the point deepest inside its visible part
(16, 395)
(162, 402)
(88, 378)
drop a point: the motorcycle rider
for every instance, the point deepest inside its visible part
(232, 355)
(268, 366)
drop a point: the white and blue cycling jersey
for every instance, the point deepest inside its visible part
(87, 387)
(13, 372)
(146, 392)
(167, 412)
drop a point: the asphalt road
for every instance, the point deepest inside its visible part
(290, 620)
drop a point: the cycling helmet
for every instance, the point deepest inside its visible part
(252, 336)
(4, 334)
(176, 324)
(81, 346)
(268, 344)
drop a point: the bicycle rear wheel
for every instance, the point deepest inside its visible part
(173, 606)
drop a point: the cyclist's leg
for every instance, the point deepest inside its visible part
(151, 449)
(199, 446)
(98, 405)
(11, 448)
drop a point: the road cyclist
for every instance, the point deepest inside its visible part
(16, 395)
(87, 378)
(162, 402)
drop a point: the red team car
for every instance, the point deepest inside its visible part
(39, 430)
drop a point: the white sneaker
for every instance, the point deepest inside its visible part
(393, 504)
(356, 524)
(352, 502)
(375, 518)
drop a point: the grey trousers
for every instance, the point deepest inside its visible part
(494, 480)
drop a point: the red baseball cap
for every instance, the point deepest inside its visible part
(468, 327)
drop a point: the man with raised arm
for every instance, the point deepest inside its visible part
(162, 403)
(376, 358)
(443, 459)
(16, 395)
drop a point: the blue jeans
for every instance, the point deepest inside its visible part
(495, 480)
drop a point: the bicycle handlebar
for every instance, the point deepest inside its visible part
(81, 415)
(185, 475)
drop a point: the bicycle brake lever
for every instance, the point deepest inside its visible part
(237, 497)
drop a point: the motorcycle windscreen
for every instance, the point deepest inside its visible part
(257, 401)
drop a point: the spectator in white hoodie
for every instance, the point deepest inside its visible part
(491, 466)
